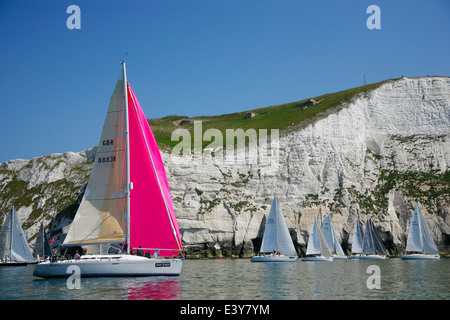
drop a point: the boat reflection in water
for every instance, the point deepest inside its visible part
(155, 288)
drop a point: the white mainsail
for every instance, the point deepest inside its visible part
(357, 239)
(101, 217)
(313, 246)
(276, 235)
(317, 243)
(331, 237)
(13, 243)
(419, 237)
(372, 244)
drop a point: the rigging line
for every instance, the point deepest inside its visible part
(99, 120)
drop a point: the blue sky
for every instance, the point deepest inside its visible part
(196, 57)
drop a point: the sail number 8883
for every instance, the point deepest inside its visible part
(106, 159)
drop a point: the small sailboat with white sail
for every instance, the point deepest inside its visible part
(42, 250)
(357, 241)
(277, 244)
(127, 201)
(333, 242)
(14, 248)
(373, 247)
(317, 248)
(420, 244)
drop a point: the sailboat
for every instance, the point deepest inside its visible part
(277, 245)
(357, 241)
(420, 244)
(332, 240)
(41, 250)
(14, 248)
(127, 201)
(373, 247)
(317, 248)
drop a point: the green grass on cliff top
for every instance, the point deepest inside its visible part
(285, 117)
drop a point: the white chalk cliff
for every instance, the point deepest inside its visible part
(376, 155)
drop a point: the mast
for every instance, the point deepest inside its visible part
(11, 235)
(276, 221)
(127, 129)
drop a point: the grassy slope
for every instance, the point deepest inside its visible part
(285, 117)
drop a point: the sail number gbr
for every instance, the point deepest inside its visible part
(108, 142)
(107, 159)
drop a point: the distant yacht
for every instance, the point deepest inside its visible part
(41, 250)
(277, 245)
(357, 241)
(332, 240)
(317, 248)
(14, 248)
(373, 247)
(420, 244)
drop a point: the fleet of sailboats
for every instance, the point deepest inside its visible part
(127, 205)
(277, 244)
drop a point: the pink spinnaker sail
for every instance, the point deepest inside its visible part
(152, 220)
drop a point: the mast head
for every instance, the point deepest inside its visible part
(123, 58)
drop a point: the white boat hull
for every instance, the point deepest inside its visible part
(373, 257)
(338, 257)
(319, 258)
(420, 256)
(110, 266)
(274, 258)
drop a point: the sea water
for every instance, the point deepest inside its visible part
(240, 279)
